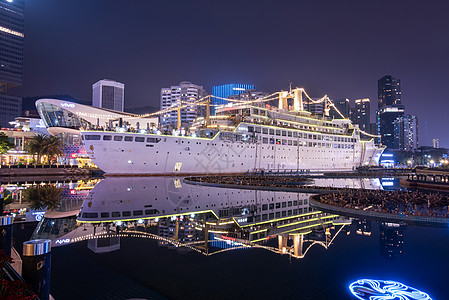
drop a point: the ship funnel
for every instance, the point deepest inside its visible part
(297, 100)
(283, 100)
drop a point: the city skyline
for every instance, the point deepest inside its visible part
(317, 48)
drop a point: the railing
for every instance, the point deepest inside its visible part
(39, 166)
(423, 220)
(280, 172)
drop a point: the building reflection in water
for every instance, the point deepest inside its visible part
(391, 239)
(362, 226)
(208, 220)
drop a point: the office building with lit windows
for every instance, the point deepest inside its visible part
(108, 94)
(11, 58)
(343, 106)
(226, 90)
(361, 114)
(388, 91)
(406, 132)
(184, 95)
(386, 117)
(389, 109)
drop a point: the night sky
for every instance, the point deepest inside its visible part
(339, 48)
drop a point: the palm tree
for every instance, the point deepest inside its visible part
(46, 196)
(52, 147)
(5, 145)
(43, 145)
(35, 146)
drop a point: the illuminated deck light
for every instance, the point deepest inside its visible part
(369, 289)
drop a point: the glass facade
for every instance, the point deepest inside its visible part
(55, 116)
(11, 43)
(226, 90)
(389, 91)
(10, 108)
(11, 58)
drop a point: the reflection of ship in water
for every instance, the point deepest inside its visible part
(204, 219)
(391, 239)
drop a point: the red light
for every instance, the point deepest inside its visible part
(72, 192)
(73, 155)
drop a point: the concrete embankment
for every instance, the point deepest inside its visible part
(40, 173)
(298, 189)
(380, 216)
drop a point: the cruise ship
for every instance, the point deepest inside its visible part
(242, 137)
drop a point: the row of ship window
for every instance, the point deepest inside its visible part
(117, 214)
(279, 214)
(279, 132)
(272, 141)
(283, 204)
(119, 138)
(263, 113)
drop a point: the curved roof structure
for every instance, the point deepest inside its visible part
(70, 115)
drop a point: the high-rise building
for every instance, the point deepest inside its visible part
(436, 143)
(316, 108)
(108, 94)
(386, 117)
(361, 115)
(388, 91)
(222, 92)
(406, 132)
(343, 106)
(389, 109)
(181, 95)
(11, 58)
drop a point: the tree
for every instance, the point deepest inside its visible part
(50, 146)
(46, 196)
(35, 146)
(5, 143)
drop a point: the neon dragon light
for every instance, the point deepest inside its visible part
(368, 289)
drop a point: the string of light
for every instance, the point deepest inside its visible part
(207, 99)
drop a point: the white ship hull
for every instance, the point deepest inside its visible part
(176, 155)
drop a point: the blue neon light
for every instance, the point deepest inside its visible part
(369, 289)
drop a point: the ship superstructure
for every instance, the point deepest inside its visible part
(242, 137)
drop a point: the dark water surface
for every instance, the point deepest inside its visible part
(152, 269)
(140, 266)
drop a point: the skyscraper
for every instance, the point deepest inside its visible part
(389, 108)
(108, 94)
(388, 91)
(316, 108)
(386, 117)
(361, 114)
(11, 58)
(181, 95)
(406, 132)
(343, 106)
(226, 90)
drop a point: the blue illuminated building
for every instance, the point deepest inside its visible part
(226, 90)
